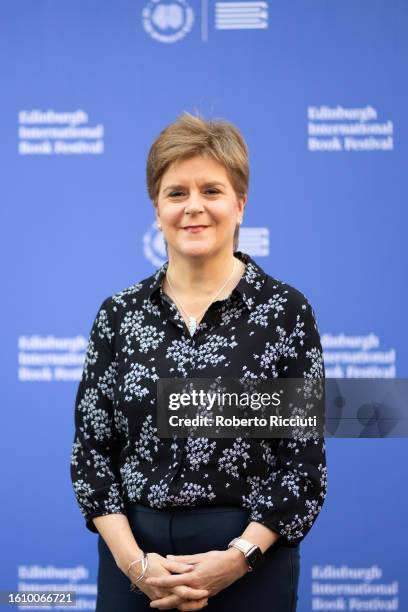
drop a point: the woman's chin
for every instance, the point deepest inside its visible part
(195, 248)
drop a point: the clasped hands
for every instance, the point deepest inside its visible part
(186, 582)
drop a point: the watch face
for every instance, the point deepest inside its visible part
(255, 558)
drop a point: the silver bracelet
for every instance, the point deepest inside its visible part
(144, 561)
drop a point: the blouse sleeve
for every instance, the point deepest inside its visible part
(291, 497)
(94, 475)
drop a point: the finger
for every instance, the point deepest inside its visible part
(175, 566)
(193, 605)
(185, 558)
(170, 580)
(171, 601)
(186, 592)
(166, 603)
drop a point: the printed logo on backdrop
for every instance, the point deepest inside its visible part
(348, 129)
(241, 15)
(252, 240)
(168, 22)
(58, 133)
(357, 357)
(41, 578)
(353, 588)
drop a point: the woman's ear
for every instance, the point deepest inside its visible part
(241, 205)
(158, 222)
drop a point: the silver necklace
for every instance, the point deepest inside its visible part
(192, 321)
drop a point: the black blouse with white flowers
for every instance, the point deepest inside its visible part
(265, 327)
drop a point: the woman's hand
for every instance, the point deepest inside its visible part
(213, 571)
(187, 598)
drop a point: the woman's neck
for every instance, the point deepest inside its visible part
(203, 276)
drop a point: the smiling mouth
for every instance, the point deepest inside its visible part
(195, 228)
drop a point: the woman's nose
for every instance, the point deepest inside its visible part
(194, 203)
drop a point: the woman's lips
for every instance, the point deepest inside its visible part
(194, 229)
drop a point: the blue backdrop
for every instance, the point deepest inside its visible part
(319, 91)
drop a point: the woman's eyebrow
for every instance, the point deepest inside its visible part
(214, 184)
(206, 184)
(171, 187)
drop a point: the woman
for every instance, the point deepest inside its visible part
(188, 522)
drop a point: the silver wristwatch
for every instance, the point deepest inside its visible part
(253, 554)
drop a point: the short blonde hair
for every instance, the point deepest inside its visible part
(191, 135)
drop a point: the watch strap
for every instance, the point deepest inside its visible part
(253, 554)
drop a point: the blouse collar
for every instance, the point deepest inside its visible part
(248, 287)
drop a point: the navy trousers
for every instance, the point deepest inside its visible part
(181, 531)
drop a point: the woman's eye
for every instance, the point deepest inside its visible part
(209, 191)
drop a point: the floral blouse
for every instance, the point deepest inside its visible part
(264, 327)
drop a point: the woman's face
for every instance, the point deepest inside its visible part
(198, 208)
